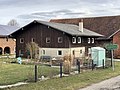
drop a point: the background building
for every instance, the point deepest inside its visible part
(7, 45)
(109, 26)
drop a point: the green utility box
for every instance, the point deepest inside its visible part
(98, 55)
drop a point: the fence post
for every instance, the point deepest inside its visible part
(60, 69)
(78, 67)
(36, 73)
(111, 59)
(103, 64)
(92, 65)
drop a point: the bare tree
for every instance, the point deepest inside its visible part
(13, 22)
(33, 49)
(67, 64)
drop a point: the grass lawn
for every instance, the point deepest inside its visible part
(13, 73)
(70, 83)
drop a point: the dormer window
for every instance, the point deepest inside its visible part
(93, 40)
(79, 39)
(88, 40)
(73, 39)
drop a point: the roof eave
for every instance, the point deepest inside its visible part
(113, 34)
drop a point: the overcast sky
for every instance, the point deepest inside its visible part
(25, 11)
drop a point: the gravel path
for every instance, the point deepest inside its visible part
(110, 84)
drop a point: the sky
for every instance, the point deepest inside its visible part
(25, 11)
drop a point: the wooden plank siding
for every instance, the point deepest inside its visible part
(40, 31)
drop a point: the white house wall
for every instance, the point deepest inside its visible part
(77, 51)
(53, 52)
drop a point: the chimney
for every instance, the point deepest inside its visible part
(81, 25)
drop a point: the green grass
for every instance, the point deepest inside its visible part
(73, 82)
(13, 73)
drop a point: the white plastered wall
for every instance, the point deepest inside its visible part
(78, 52)
(53, 52)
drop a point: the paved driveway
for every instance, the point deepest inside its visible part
(110, 84)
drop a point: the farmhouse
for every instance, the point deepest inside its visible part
(7, 45)
(55, 39)
(109, 26)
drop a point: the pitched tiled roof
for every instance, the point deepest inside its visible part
(67, 28)
(106, 25)
(70, 29)
(6, 30)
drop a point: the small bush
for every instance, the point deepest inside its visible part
(67, 64)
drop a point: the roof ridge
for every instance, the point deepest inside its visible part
(56, 23)
(85, 17)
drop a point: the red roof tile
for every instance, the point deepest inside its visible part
(103, 25)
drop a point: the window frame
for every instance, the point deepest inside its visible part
(59, 39)
(81, 51)
(79, 40)
(58, 52)
(93, 40)
(21, 52)
(43, 52)
(32, 40)
(73, 52)
(47, 38)
(21, 40)
(88, 40)
(73, 39)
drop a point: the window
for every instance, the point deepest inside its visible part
(89, 50)
(33, 40)
(74, 40)
(59, 52)
(79, 39)
(47, 39)
(21, 52)
(37, 51)
(21, 40)
(60, 39)
(88, 40)
(15, 49)
(93, 40)
(73, 52)
(43, 52)
(80, 51)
